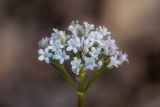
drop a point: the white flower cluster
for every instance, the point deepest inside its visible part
(86, 47)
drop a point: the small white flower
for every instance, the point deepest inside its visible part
(75, 28)
(90, 63)
(123, 57)
(44, 55)
(62, 36)
(110, 47)
(95, 52)
(61, 56)
(55, 45)
(44, 42)
(114, 61)
(73, 44)
(104, 30)
(54, 35)
(76, 65)
(87, 43)
(88, 27)
(58, 35)
(95, 36)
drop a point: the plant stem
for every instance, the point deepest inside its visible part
(80, 92)
(80, 99)
(93, 79)
(81, 82)
(65, 75)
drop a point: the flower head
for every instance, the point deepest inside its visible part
(85, 47)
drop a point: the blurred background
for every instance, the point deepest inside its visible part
(26, 82)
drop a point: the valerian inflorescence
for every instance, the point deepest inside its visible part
(85, 46)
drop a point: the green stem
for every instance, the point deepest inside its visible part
(65, 74)
(80, 92)
(80, 99)
(70, 80)
(81, 81)
(93, 79)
